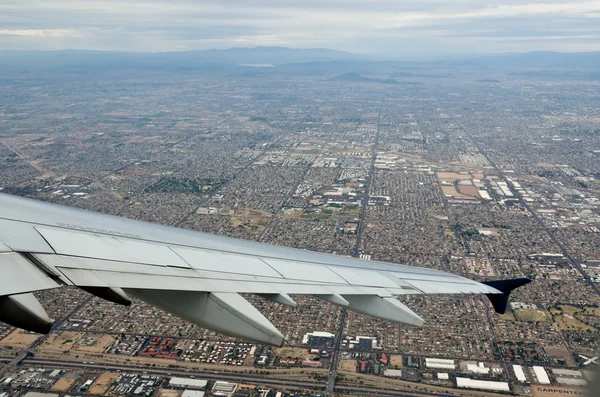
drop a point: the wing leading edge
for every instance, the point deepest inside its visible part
(196, 276)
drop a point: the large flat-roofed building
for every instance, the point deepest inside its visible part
(478, 368)
(541, 375)
(192, 393)
(571, 377)
(222, 388)
(38, 394)
(317, 334)
(439, 363)
(519, 373)
(571, 381)
(468, 383)
(188, 382)
(392, 373)
(571, 373)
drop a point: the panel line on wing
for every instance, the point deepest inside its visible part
(405, 285)
(307, 272)
(275, 270)
(4, 247)
(203, 259)
(188, 266)
(339, 275)
(92, 258)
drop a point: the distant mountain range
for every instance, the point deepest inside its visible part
(543, 59)
(357, 78)
(286, 60)
(233, 57)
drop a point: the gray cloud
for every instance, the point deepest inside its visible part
(392, 27)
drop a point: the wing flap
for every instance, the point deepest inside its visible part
(20, 276)
(437, 287)
(87, 272)
(61, 262)
(100, 278)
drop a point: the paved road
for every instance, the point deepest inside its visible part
(363, 212)
(335, 356)
(265, 380)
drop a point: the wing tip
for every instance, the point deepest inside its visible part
(500, 301)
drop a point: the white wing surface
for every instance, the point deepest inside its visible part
(196, 276)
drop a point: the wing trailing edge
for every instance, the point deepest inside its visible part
(196, 276)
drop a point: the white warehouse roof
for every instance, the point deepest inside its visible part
(477, 369)
(392, 372)
(541, 375)
(192, 393)
(481, 384)
(187, 382)
(317, 334)
(439, 360)
(571, 381)
(519, 373)
(566, 372)
(440, 363)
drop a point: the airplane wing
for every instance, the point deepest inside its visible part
(196, 276)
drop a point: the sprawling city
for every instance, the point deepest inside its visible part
(486, 172)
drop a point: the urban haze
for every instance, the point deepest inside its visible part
(487, 166)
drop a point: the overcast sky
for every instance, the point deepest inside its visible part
(399, 28)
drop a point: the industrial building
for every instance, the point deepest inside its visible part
(541, 375)
(519, 373)
(188, 382)
(317, 334)
(392, 373)
(481, 384)
(222, 388)
(192, 393)
(439, 363)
